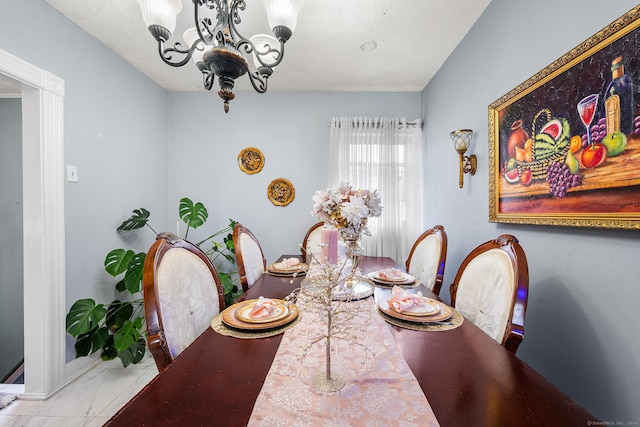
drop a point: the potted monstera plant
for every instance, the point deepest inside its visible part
(118, 329)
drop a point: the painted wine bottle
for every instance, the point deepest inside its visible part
(619, 104)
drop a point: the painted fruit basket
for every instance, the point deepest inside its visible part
(550, 143)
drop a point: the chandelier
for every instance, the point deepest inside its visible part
(215, 44)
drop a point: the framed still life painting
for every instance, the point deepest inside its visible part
(564, 146)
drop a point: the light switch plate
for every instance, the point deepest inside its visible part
(72, 173)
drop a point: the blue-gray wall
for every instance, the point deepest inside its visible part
(114, 132)
(11, 276)
(582, 318)
(291, 130)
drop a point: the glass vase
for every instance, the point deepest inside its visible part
(354, 253)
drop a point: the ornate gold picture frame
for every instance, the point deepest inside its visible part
(251, 160)
(564, 146)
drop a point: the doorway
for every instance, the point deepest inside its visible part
(11, 226)
(42, 96)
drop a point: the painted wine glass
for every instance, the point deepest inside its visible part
(586, 111)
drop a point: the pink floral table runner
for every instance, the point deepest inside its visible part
(380, 388)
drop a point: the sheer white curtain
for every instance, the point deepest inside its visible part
(383, 154)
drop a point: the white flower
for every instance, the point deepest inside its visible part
(345, 208)
(375, 207)
(320, 198)
(324, 217)
(355, 210)
(343, 191)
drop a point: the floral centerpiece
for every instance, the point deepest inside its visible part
(347, 209)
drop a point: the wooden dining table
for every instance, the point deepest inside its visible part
(466, 376)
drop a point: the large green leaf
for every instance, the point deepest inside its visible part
(128, 334)
(91, 342)
(194, 215)
(228, 241)
(117, 313)
(231, 291)
(133, 354)
(109, 351)
(133, 276)
(226, 281)
(117, 261)
(84, 315)
(139, 219)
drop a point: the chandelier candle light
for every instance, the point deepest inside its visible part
(215, 44)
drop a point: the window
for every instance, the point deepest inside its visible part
(382, 154)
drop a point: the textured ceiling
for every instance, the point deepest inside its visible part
(414, 38)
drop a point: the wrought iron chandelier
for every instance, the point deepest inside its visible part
(215, 44)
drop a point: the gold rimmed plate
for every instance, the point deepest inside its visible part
(277, 312)
(406, 279)
(298, 273)
(279, 267)
(443, 312)
(230, 317)
(428, 309)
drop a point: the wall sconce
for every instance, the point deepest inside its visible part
(460, 141)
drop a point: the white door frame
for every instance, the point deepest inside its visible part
(43, 213)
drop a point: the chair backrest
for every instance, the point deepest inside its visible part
(427, 258)
(311, 243)
(249, 256)
(182, 294)
(491, 289)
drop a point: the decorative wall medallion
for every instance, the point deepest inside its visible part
(250, 160)
(281, 192)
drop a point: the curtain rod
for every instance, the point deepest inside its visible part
(410, 123)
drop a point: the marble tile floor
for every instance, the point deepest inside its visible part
(90, 400)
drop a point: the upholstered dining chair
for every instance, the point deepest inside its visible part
(311, 241)
(491, 289)
(182, 294)
(249, 256)
(427, 258)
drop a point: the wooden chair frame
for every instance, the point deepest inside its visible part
(438, 231)
(514, 330)
(313, 228)
(239, 229)
(156, 339)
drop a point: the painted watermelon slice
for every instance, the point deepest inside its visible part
(553, 129)
(512, 176)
